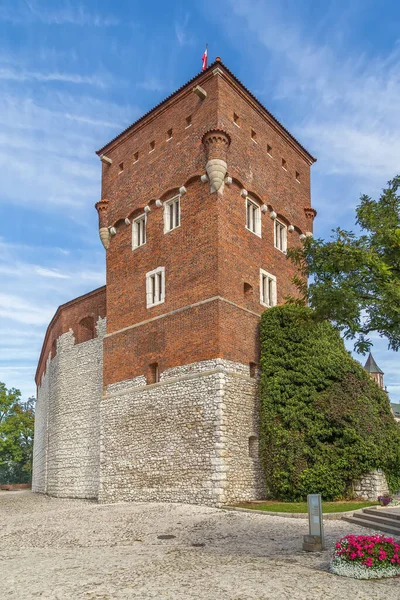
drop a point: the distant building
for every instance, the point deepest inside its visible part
(376, 373)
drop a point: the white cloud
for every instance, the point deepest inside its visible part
(9, 74)
(33, 12)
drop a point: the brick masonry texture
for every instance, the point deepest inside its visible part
(102, 430)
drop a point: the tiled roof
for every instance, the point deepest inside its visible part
(217, 63)
(371, 365)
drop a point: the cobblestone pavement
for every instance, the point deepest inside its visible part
(73, 549)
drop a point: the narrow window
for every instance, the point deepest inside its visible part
(253, 135)
(139, 231)
(188, 121)
(172, 214)
(267, 289)
(152, 146)
(136, 157)
(253, 446)
(155, 287)
(236, 119)
(154, 373)
(121, 167)
(269, 150)
(280, 236)
(284, 164)
(86, 329)
(253, 369)
(297, 176)
(169, 134)
(253, 217)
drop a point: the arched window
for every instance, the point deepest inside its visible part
(86, 329)
(253, 369)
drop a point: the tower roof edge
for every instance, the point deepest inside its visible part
(217, 64)
(371, 366)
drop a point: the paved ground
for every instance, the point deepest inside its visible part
(72, 549)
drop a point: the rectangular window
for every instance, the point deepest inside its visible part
(155, 287)
(267, 289)
(139, 232)
(172, 214)
(280, 236)
(253, 217)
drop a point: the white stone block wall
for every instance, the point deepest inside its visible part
(371, 486)
(177, 441)
(39, 469)
(71, 391)
(245, 478)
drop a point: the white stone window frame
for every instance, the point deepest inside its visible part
(253, 219)
(135, 233)
(280, 236)
(271, 289)
(167, 214)
(155, 287)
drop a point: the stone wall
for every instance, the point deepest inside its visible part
(371, 486)
(66, 443)
(177, 440)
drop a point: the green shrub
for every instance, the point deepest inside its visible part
(324, 422)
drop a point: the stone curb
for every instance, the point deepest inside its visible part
(326, 516)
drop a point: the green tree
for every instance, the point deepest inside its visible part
(16, 436)
(324, 421)
(355, 279)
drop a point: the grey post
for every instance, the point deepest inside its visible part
(314, 542)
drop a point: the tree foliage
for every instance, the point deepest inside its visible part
(324, 422)
(355, 280)
(16, 436)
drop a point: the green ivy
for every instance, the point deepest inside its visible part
(324, 422)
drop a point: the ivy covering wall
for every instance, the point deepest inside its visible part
(324, 422)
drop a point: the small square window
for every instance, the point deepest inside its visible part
(139, 231)
(152, 146)
(284, 164)
(169, 134)
(253, 217)
(236, 119)
(172, 214)
(188, 121)
(155, 287)
(297, 176)
(267, 289)
(269, 150)
(253, 136)
(121, 167)
(136, 157)
(280, 236)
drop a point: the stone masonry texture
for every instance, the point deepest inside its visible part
(106, 426)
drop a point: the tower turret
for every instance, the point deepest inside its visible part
(375, 372)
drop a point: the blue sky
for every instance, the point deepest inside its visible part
(73, 74)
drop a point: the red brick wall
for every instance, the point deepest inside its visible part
(211, 253)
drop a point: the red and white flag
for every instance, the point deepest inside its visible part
(204, 58)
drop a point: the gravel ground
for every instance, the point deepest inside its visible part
(72, 549)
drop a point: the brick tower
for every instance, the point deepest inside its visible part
(201, 197)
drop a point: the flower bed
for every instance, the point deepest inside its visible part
(366, 557)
